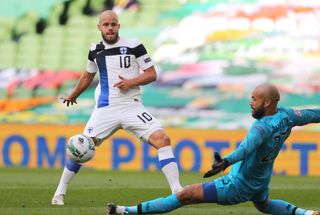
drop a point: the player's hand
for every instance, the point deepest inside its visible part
(123, 85)
(219, 164)
(68, 101)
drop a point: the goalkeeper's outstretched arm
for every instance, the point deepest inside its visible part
(219, 164)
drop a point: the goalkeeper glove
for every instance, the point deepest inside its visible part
(219, 164)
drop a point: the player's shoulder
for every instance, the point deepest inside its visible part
(97, 46)
(262, 126)
(286, 112)
(272, 122)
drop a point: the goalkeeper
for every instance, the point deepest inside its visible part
(252, 164)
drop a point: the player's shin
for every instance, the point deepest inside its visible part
(160, 205)
(170, 168)
(69, 172)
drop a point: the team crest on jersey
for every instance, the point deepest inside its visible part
(297, 112)
(90, 129)
(123, 50)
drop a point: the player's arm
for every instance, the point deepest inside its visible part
(304, 116)
(85, 80)
(252, 141)
(255, 137)
(149, 75)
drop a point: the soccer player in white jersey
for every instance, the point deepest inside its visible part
(118, 101)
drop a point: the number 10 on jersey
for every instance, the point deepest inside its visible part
(124, 61)
(145, 117)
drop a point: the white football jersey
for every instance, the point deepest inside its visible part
(124, 58)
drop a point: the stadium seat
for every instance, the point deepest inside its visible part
(6, 28)
(51, 47)
(45, 92)
(97, 5)
(151, 94)
(22, 92)
(3, 93)
(50, 61)
(78, 21)
(75, 8)
(93, 35)
(128, 18)
(28, 52)
(74, 62)
(7, 54)
(25, 24)
(53, 17)
(54, 31)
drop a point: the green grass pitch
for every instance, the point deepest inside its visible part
(29, 191)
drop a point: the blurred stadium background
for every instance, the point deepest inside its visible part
(209, 55)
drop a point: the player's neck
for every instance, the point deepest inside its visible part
(270, 112)
(111, 43)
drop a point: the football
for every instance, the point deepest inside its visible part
(80, 148)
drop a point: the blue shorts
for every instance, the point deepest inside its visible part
(225, 191)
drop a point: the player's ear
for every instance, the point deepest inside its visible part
(267, 103)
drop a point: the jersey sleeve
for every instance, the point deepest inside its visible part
(91, 67)
(91, 64)
(304, 116)
(255, 137)
(142, 56)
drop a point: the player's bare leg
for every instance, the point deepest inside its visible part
(169, 166)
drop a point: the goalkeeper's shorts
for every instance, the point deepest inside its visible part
(229, 192)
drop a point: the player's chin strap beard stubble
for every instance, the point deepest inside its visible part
(111, 42)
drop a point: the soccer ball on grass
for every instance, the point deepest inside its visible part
(80, 148)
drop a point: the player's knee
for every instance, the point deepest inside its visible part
(165, 140)
(94, 140)
(261, 207)
(189, 195)
(97, 141)
(184, 196)
(159, 139)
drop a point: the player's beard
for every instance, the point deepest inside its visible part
(258, 113)
(110, 41)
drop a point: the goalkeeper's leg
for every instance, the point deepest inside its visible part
(188, 195)
(192, 194)
(281, 207)
(69, 172)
